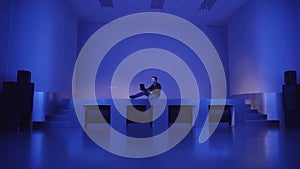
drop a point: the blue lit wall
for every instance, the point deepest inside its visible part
(263, 42)
(218, 36)
(5, 11)
(43, 41)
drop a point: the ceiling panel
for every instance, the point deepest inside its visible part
(91, 10)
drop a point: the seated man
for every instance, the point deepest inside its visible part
(152, 92)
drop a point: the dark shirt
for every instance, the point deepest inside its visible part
(155, 86)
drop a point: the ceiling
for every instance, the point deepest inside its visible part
(91, 10)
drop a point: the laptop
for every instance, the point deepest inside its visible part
(142, 87)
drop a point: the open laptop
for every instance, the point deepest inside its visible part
(142, 87)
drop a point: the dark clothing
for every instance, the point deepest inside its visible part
(156, 87)
(152, 92)
(144, 93)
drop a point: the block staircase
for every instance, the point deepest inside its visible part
(256, 119)
(60, 117)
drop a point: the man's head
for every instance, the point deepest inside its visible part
(154, 79)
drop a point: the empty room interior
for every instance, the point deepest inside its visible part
(164, 84)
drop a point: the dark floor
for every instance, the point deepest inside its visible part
(70, 148)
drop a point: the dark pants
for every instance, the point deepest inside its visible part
(144, 93)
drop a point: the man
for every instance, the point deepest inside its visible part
(152, 92)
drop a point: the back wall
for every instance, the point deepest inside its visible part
(263, 42)
(217, 35)
(43, 40)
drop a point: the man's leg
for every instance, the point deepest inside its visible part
(151, 97)
(139, 95)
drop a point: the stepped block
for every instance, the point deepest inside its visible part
(57, 117)
(63, 104)
(52, 124)
(256, 116)
(248, 106)
(263, 123)
(62, 112)
(57, 124)
(252, 112)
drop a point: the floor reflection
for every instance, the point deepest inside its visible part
(228, 147)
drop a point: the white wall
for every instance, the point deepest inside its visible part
(263, 42)
(5, 11)
(217, 35)
(43, 41)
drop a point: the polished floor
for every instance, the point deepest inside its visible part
(234, 148)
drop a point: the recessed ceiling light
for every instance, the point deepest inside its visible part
(157, 4)
(207, 5)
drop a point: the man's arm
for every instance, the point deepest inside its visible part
(159, 86)
(149, 89)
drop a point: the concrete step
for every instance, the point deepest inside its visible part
(57, 124)
(63, 103)
(54, 124)
(252, 112)
(257, 116)
(62, 117)
(248, 106)
(263, 123)
(62, 112)
(50, 124)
